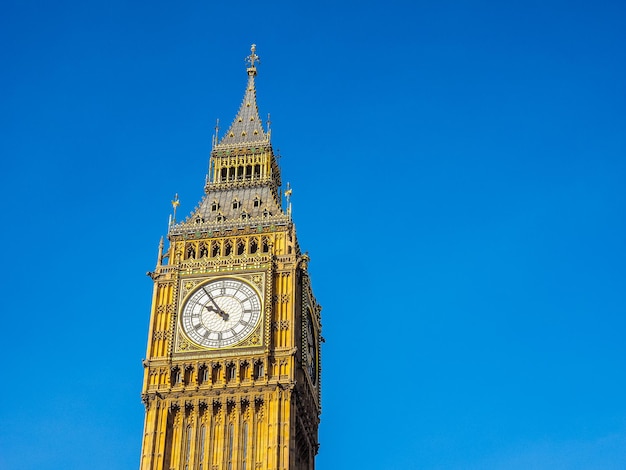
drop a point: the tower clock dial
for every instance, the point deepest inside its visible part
(221, 313)
(311, 351)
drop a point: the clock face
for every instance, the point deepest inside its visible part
(221, 313)
(312, 352)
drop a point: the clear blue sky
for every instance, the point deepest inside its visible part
(468, 158)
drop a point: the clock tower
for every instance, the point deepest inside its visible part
(232, 369)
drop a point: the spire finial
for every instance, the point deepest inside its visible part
(252, 59)
(288, 196)
(175, 204)
(217, 131)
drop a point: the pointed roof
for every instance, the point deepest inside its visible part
(247, 128)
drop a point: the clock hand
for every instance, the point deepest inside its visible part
(217, 308)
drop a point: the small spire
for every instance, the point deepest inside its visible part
(288, 196)
(252, 59)
(217, 131)
(160, 255)
(175, 204)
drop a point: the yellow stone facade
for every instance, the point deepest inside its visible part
(232, 369)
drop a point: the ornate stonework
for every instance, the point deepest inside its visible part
(254, 401)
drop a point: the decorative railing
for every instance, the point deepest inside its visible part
(212, 226)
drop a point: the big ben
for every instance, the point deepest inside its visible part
(232, 369)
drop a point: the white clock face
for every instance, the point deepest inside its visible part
(221, 313)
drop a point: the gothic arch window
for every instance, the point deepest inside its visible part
(243, 370)
(244, 449)
(266, 245)
(266, 213)
(230, 372)
(215, 249)
(254, 246)
(228, 248)
(203, 375)
(203, 251)
(241, 247)
(224, 174)
(231, 438)
(175, 377)
(188, 375)
(188, 433)
(257, 201)
(201, 443)
(245, 215)
(258, 370)
(214, 206)
(215, 373)
(190, 251)
(220, 218)
(236, 204)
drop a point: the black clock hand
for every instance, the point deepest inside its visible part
(217, 309)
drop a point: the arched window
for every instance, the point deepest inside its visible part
(228, 248)
(215, 373)
(187, 447)
(230, 372)
(258, 370)
(188, 374)
(231, 438)
(201, 444)
(254, 246)
(241, 247)
(190, 251)
(204, 250)
(175, 376)
(243, 370)
(203, 375)
(215, 249)
(244, 446)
